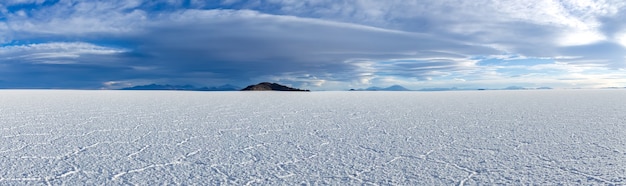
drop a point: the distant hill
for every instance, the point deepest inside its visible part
(526, 88)
(373, 89)
(226, 87)
(514, 88)
(160, 87)
(391, 88)
(439, 89)
(267, 86)
(396, 88)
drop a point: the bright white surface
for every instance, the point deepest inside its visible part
(399, 138)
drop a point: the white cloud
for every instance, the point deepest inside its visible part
(72, 18)
(550, 24)
(53, 53)
(76, 47)
(621, 38)
(15, 2)
(565, 67)
(580, 37)
(4, 33)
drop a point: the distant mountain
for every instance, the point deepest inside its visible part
(514, 88)
(160, 87)
(525, 88)
(396, 88)
(226, 87)
(267, 86)
(373, 89)
(439, 89)
(391, 88)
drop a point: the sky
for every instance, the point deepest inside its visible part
(313, 44)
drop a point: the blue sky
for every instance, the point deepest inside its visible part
(313, 44)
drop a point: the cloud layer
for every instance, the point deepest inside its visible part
(320, 45)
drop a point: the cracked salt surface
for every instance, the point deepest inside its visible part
(319, 138)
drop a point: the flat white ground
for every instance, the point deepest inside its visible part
(316, 138)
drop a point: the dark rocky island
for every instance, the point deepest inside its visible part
(267, 86)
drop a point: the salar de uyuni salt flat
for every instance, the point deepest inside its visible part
(539, 137)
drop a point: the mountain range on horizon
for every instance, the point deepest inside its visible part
(264, 86)
(275, 86)
(390, 88)
(226, 87)
(260, 86)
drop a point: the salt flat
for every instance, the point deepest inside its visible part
(547, 137)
